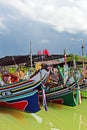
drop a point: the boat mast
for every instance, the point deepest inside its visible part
(82, 47)
(30, 56)
(65, 68)
(65, 59)
(74, 62)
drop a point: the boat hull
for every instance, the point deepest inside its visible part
(28, 102)
(23, 95)
(69, 96)
(67, 99)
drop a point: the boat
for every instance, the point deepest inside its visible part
(64, 90)
(24, 94)
(64, 95)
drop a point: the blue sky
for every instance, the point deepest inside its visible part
(48, 24)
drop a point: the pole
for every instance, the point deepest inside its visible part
(65, 60)
(83, 57)
(30, 56)
(65, 68)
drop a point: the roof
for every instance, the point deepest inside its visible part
(14, 60)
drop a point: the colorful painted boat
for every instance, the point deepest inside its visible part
(23, 95)
(64, 90)
(69, 96)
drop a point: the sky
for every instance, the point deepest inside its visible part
(48, 24)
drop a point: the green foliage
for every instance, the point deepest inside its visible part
(71, 57)
(13, 69)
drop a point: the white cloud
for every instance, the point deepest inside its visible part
(76, 39)
(64, 15)
(44, 41)
(3, 28)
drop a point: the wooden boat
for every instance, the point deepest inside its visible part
(65, 91)
(23, 95)
(69, 96)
